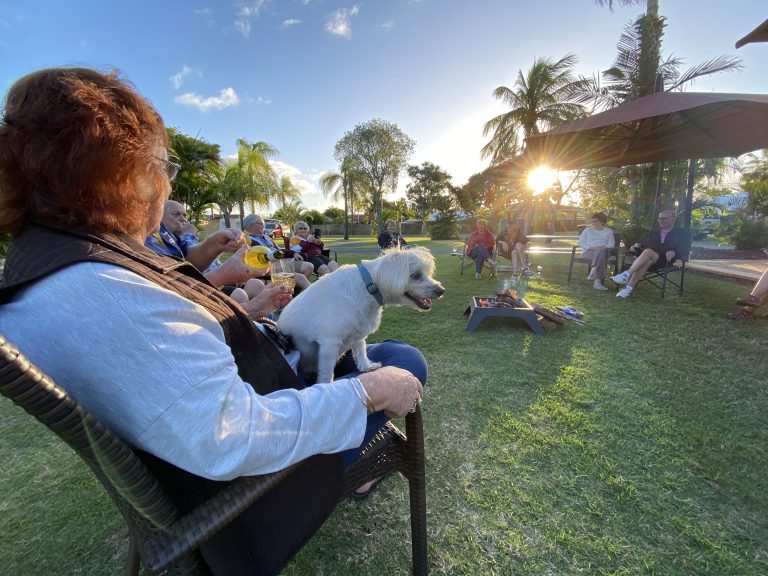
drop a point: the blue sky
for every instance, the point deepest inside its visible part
(300, 73)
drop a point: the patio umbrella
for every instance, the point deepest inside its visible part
(655, 128)
(759, 34)
(662, 126)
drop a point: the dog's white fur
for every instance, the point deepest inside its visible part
(337, 313)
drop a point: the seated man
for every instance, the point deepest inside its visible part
(594, 241)
(253, 226)
(177, 239)
(656, 249)
(512, 245)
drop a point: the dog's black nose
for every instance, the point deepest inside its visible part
(439, 291)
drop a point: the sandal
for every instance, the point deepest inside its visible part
(749, 300)
(363, 495)
(741, 314)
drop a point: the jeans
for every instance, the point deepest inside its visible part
(389, 353)
(479, 254)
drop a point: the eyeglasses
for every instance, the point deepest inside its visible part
(171, 168)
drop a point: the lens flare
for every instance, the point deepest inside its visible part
(541, 178)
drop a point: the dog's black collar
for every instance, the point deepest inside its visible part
(373, 290)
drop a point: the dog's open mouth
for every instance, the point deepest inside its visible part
(423, 303)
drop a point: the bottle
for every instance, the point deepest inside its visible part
(260, 256)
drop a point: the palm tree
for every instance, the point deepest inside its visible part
(348, 184)
(547, 95)
(198, 159)
(253, 178)
(285, 191)
(651, 6)
(291, 212)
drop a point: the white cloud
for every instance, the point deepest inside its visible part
(387, 26)
(178, 79)
(244, 14)
(291, 22)
(206, 13)
(308, 184)
(83, 44)
(226, 98)
(338, 23)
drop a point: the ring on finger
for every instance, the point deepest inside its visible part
(415, 405)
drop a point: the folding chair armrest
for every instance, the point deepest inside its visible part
(166, 548)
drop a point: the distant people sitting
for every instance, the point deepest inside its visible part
(177, 240)
(310, 248)
(512, 245)
(595, 241)
(253, 226)
(480, 246)
(753, 300)
(656, 249)
(391, 238)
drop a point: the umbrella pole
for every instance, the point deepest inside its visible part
(689, 195)
(659, 177)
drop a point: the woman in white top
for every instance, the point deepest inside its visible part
(594, 243)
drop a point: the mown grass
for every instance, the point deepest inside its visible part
(635, 444)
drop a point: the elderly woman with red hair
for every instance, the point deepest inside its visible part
(146, 343)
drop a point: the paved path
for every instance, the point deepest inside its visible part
(742, 271)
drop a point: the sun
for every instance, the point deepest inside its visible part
(541, 178)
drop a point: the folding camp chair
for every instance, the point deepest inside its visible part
(613, 256)
(662, 276)
(161, 539)
(467, 262)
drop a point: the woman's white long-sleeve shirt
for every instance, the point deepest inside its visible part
(591, 238)
(155, 368)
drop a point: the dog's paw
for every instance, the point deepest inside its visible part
(371, 366)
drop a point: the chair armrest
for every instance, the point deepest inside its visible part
(188, 532)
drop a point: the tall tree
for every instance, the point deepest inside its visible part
(429, 185)
(291, 212)
(198, 160)
(380, 151)
(547, 95)
(348, 185)
(285, 191)
(254, 175)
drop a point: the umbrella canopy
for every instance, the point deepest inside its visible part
(662, 126)
(759, 34)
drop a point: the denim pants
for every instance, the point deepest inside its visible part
(389, 353)
(480, 254)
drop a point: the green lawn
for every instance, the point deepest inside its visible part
(635, 444)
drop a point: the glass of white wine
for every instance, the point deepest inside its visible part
(282, 273)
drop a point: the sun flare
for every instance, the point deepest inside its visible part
(541, 178)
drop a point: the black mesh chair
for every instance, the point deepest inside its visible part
(160, 538)
(614, 256)
(673, 274)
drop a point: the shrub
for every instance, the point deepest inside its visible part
(445, 227)
(744, 232)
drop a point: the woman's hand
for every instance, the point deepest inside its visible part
(393, 390)
(235, 270)
(267, 301)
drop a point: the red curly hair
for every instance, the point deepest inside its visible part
(74, 143)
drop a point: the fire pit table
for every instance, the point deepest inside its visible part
(477, 313)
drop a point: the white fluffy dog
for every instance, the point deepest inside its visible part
(340, 310)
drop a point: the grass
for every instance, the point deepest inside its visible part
(635, 444)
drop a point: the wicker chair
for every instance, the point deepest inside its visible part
(162, 540)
